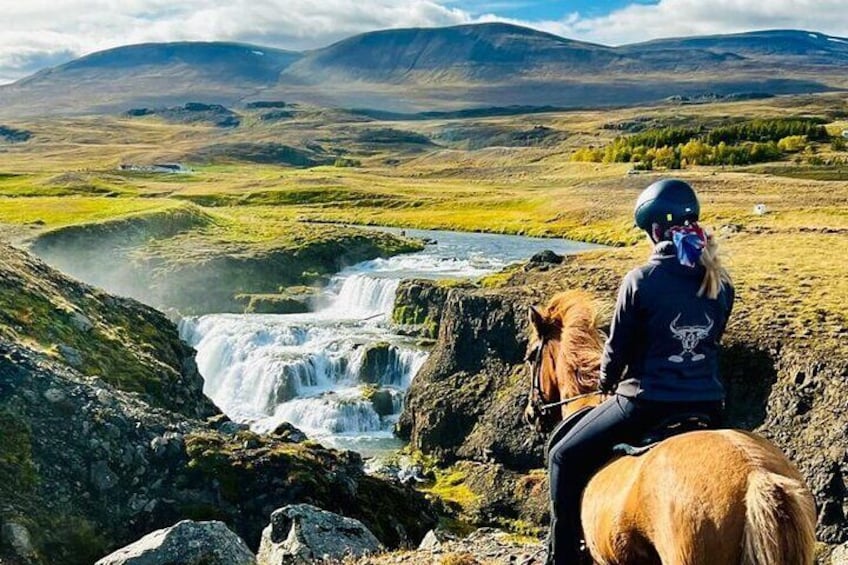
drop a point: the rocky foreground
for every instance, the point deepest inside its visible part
(109, 442)
(107, 436)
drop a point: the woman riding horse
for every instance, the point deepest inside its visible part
(660, 360)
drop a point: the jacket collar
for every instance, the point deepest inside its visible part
(664, 250)
(665, 253)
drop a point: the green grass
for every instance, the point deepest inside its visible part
(60, 211)
(68, 164)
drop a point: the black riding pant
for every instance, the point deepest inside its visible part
(587, 447)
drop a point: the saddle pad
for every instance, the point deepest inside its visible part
(563, 428)
(627, 449)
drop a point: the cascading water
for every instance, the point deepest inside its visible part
(339, 373)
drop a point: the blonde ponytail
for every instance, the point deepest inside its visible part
(716, 275)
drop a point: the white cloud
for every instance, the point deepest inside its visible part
(674, 18)
(38, 33)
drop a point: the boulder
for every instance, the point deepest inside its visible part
(419, 305)
(546, 256)
(383, 401)
(376, 361)
(16, 536)
(185, 543)
(840, 555)
(434, 541)
(301, 533)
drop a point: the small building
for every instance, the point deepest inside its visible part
(173, 168)
(760, 209)
(845, 133)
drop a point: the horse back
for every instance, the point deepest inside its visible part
(682, 503)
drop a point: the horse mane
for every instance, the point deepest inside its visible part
(576, 315)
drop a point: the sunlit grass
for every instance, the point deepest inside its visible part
(52, 212)
(60, 178)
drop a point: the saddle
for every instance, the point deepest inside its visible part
(670, 427)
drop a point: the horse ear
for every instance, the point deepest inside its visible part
(537, 320)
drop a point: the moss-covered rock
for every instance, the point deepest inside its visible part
(273, 303)
(94, 454)
(256, 473)
(419, 305)
(376, 360)
(127, 344)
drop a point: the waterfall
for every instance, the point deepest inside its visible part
(339, 373)
(363, 296)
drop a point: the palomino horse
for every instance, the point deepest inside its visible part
(712, 497)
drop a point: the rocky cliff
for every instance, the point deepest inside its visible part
(466, 403)
(106, 435)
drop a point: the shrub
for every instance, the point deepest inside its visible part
(588, 154)
(792, 143)
(345, 162)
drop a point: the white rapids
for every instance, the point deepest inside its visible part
(340, 373)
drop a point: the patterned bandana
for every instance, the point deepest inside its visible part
(690, 241)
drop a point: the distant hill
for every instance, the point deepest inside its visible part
(437, 69)
(147, 75)
(784, 45)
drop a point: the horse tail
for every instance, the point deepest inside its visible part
(780, 521)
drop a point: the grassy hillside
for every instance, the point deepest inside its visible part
(446, 172)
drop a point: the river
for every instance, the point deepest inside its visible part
(310, 369)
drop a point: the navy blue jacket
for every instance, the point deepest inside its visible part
(664, 334)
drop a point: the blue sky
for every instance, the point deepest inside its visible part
(541, 10)
(41, 33)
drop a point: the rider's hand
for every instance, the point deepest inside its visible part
(605, 386)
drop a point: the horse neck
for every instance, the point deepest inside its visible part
(573, 378)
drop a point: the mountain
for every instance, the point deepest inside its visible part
(482, 51)
(449, 68)
(785, 45)
(151, 74)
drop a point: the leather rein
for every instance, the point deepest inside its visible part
(541, 408)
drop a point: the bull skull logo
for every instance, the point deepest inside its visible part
(690, 337)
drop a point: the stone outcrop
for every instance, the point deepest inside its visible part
(126, 344)
(185, 543)
(301, 534)
(419, 305)
(463, 401)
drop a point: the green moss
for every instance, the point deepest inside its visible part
(17, 470)
(34, 316)
(451, 487)
(521, 531)
(72, 540)
(499, 279)
(456, 526)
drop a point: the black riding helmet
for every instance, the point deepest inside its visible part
(666, 203)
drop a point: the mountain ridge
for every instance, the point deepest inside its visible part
(450, 68)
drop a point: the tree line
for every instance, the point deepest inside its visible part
(754, 141)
